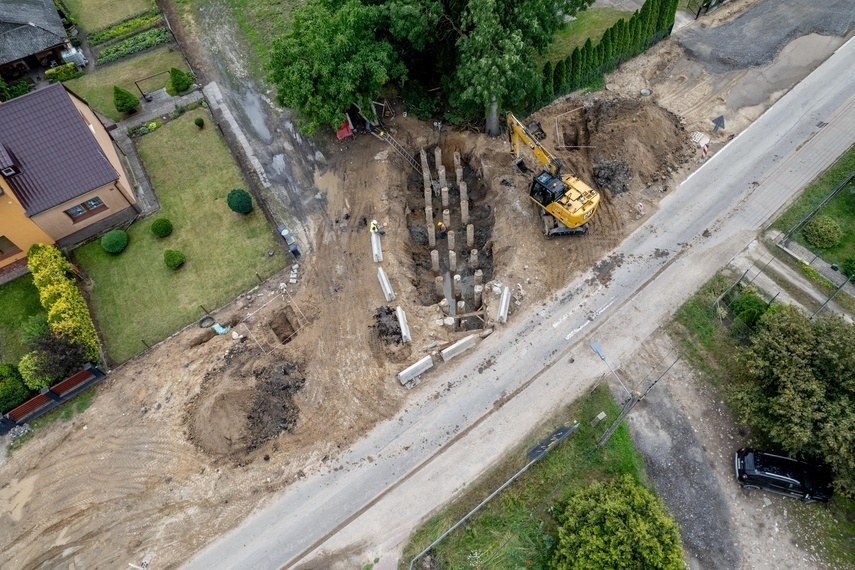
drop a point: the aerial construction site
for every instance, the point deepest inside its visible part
(183, 442)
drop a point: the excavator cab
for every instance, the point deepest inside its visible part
(546, 189)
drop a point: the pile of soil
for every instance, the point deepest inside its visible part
(625, 144)
(386, 325)
(243, 403)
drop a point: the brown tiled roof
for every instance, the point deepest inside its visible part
(54, 151)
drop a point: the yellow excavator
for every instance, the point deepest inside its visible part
(566, 202)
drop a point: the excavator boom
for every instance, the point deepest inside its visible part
(566, 202)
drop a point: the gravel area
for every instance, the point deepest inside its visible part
(757, 36)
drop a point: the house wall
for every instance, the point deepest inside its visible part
(17, 227)
(106, 143)
(57, 224)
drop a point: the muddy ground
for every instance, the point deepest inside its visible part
(184, 441)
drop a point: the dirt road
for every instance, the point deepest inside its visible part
(163, 462)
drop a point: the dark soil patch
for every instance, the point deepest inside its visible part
(274, 411)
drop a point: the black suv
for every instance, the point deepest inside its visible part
(783, 475)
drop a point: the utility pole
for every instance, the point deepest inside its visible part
(598, 349)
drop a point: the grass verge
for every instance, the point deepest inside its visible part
(97, 14)
(591, 23)
(841, 208)
(97, 88)
(63, 413)
(134, 296)
(19, 300)
(503, 534)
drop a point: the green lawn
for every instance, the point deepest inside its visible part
(564, 470)
(97, 87)
(588, 24)
(841, 208)
(19, 300)
(135, 296)
(96, 14)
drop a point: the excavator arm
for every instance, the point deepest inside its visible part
(517, 132)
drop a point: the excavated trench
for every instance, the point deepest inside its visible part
(474, 257)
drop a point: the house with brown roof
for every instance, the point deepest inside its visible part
(31, 36)
(62, 178)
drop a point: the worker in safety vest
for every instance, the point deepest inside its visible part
(375, 228)
(442, 229)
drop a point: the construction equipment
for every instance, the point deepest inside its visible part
(566, 202)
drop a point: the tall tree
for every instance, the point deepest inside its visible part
(548, 79)
(560, 77)
(797, 386)
(331, 58)
(493, 67)
(576, 68)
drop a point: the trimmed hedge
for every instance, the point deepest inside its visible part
(239, 201)
(125, 28)
(67, 313)
(161, 227)
(173, 258)
(63, 73)
(134, 44)
(181, 80)
(115, 241)
(822, 232)
(199, 122)
(124, 100)
(13, 391)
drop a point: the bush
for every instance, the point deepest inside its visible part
(14, 90)
(67, 313)
(124, 100)
(822, 232)
(115, 241)
(125, 28)
(617, 524)
(34, 327)
(31, 371)
(134, 44)
(13, 391)
(749, 307)
(239, 201)
(181, 80)
(173, 258)
(199, 122)
(161, 227)
(63, 72)
(848, 267)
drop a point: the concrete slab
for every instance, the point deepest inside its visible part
(459, 347)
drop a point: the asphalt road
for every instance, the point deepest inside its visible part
(464, 419)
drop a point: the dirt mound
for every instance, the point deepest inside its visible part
(243, 403)
(620, 144)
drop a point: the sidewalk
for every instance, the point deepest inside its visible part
(803, 254)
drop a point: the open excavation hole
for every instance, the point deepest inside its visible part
(284, 324)
(481, 219)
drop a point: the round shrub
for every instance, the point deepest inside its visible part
(30, 367)
(822, 232)
(173, 258)
(115, 241)
(239, 201)
(749, 307)
(161, 227)
(199, 122)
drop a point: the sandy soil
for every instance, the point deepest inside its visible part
(184, 441)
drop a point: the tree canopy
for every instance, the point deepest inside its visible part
(332, 57)
(479, 52)
(617, 525)
(797, 387)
